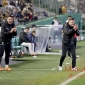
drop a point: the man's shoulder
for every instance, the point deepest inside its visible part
(30, 34)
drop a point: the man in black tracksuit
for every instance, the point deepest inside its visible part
(8, 30)
(68, 42)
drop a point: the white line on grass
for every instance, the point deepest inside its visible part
(72, 78)
(47, 58)
(53, 69)
(36, 58)
(67, 63)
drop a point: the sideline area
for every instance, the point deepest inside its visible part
(42, 70)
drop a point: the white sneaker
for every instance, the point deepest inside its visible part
(77, 56)
(74, 69)
(34, 56)
(60, 68)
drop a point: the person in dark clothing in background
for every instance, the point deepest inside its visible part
(13, 3)
(23, 36)
(31, 37)
(8, 30)
(1, 21)
(25, 41)
(69, 30)
(60, 10)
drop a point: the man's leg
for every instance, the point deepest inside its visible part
(1, 54)
(7, 55)
(75, 41)
(64, 50)
(29, 45)
(73, 52)
(33, 47)
(69, 54)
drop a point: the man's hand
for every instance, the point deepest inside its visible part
(75, 27)
(12, 30)
(79, 38)
(15, 29)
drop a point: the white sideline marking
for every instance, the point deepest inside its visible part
(67, 63)
(71, 79)
(53, 69)
(47, 58)
(37, 58)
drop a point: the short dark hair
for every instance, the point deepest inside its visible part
(71, 19)
(55, 17)
(69, 16)
(27, 28)
(10, 16)
(34, 25)
(33, 31)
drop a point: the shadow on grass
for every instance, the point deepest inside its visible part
(80, 47)
(24, 63)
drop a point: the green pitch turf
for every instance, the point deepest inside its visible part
(43, 70)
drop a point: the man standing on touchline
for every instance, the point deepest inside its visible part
(69, 30)
(8, 30)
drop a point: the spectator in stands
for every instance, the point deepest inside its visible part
(8, 12)
(30, 8)
(31, 37)
(45, 14)
(13, 3)
(24, 41)
(26, 19)
(20, 16)
(28, 13)
(31, 16)
(60, 10)
(19, 3)
(70, 11)
(15, 11)
(35, 17)
(4, 2)
(22, 6)
(1, 15)
(29, 1)
(25, 8)
(1, 21)
(21, 11)
(64, 9)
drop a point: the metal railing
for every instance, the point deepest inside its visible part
(53, 5)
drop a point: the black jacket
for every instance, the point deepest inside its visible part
(23, 37)
(68, 34)
(6, 35)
